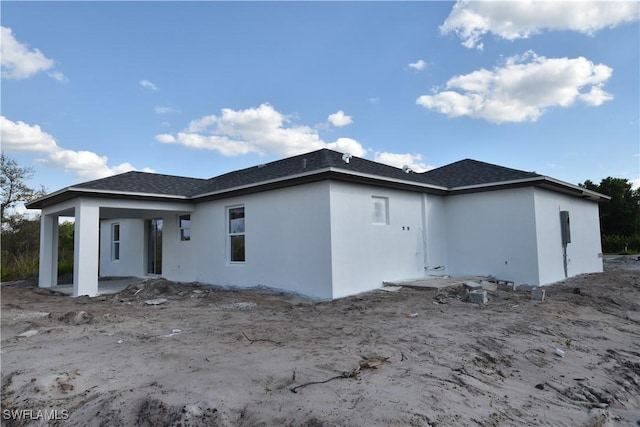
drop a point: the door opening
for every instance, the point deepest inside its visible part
(154, 246)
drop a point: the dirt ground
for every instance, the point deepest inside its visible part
(209, 356)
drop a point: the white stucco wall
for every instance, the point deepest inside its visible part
(493, 233)
(583, 253)
(178, 256)
(319, 239)
(287, 241)
(132, 249)
(435, 220)
(366, 254)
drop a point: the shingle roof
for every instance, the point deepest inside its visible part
(146, 183)
(473, 172)
(464, 173)
(303, 163)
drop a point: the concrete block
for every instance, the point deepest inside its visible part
(537, 294)
(489, 286)
(526, 288)
(478, 296)
(506, 285)
(472, 285)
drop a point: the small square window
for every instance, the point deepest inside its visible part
(185, 227)
(380, 210)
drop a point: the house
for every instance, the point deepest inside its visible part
(326, 225)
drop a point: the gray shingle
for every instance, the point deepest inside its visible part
(308, 162)
(146, 183)
(473, 172)
(462, 173)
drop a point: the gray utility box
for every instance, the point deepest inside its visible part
(565, 227)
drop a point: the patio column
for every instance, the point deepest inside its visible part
(48, 270)
(85, 254)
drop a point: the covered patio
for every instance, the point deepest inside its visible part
(87, 213)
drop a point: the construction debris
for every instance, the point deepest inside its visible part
(537, 294)
(478, 296)
(156, 301)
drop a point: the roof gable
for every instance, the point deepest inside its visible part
(301, 164)
(470, 172)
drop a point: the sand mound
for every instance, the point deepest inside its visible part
(223, 357)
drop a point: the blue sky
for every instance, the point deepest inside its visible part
(202, 88)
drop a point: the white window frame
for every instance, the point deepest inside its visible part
(115, 241)
(235, 230)
(380, 210)
(185, 231)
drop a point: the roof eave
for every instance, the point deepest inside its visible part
(72, 192)
(576, 190)
(538, 181)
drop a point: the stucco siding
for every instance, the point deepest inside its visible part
(132, 248)
(329, 240)
(365, 253)
(178, 256)
(493, 233)
(583, 253)
(287, 241)
(435, 220)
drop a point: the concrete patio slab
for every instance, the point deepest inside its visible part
(105, 286)
(436, 282)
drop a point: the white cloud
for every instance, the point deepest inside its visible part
(22, 137)
(85, 164)
(347, 145)
(259, 130)
(419, 65)
(510, 20)
(165, 110)
(57, 75)
(149, 85)
(596, 96)
(635, 183)
(339, 119)
(521, 89)
(201, 124)
(375, 100)
(413, 161)
(21, 62)
(166, 138)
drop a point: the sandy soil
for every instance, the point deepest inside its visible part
(209, 356)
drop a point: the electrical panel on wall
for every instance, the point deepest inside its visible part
(565, 227)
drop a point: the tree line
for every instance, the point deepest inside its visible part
(619, 222)
(20, 233)
(620, 217)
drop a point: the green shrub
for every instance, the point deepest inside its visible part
(19, 267)
(615, 243)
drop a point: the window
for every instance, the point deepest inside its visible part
(115, 242)
(185, 227)
(236, 234)
(380, 214)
